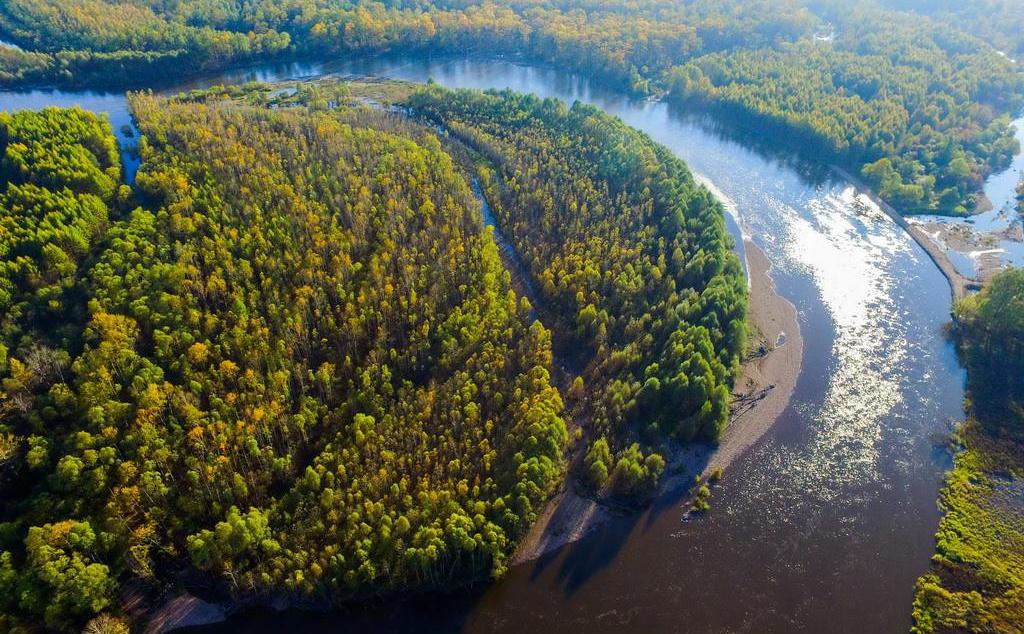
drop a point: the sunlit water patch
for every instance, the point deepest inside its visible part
(847, 255)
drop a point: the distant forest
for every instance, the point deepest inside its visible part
(915, 96)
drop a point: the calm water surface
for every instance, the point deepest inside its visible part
(826, 523)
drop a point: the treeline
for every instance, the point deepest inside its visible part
(920, 109)
(990, 328)
(1000, 22)
(136, 42)
(916, 98)
(977, 579)
(630, 256)
(298, 368)
(90, 42)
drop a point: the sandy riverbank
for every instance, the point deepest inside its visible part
(762, 392)
(766, 384)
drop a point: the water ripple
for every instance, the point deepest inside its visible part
(849, 256)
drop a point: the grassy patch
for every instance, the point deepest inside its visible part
(757, 344)
(977, 578)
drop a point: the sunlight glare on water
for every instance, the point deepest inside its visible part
(847, 256)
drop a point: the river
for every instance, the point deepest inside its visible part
(824, 525)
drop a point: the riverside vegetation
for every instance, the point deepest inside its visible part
(914, 96)
(629, 254)
(287, 362)
(977, 581)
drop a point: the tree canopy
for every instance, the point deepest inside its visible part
(990, 327)
(631, 258)
(300, 367)
(915, 96)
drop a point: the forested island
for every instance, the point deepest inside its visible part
(977, 582)
(914, 96)
(288, 360)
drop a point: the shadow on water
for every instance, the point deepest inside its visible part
(580, 561)
(812, 166)
(574, 565)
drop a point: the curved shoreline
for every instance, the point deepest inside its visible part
(763, 390)
(762, 393)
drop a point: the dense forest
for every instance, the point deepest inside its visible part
(299, 368)
(920, 106)
(977, 580)
(914, 96)
(289, 362)
(631, 258)
(1000, 22)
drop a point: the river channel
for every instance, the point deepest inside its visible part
(824, 524)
